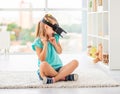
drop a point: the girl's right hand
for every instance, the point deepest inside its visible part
(44, 40)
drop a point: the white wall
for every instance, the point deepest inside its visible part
(114, 34)
(84, 25)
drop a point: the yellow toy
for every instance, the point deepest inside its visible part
(99, 54)
(92, 51)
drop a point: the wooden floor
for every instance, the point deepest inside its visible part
(29, 63)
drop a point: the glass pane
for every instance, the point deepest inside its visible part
(21, 25)
(71, 22)
(22, 3)
(64, 3)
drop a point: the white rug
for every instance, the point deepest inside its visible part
(87, 78)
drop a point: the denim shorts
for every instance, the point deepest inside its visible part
(38, 72)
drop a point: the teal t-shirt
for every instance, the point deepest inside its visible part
(51, 57)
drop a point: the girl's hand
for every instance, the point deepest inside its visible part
(44, 40)
(55, 44)
(52, 40)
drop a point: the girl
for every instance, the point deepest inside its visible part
(47, 47)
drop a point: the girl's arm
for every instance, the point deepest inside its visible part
(41, 53)
(56, 45)
(58, 48)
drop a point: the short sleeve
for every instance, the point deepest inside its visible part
(57, 37)
(37, 43)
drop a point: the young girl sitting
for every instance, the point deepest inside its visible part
(47, 48)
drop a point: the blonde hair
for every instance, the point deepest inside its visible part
(40, 30)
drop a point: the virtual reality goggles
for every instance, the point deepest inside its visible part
(55, 27)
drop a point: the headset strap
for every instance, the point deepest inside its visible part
(46, 22)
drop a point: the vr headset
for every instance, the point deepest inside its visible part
(55, 27)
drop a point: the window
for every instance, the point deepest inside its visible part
(21, 16)
(15, 4)
(64, 4)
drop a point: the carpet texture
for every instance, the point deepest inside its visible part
(87, 78)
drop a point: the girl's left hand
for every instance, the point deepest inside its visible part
(52, 40)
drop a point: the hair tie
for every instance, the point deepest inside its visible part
(48, 14)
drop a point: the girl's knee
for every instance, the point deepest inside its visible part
(76, 63)
(43, 64)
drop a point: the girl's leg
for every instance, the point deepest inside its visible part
(66, 70)
(47, 70)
